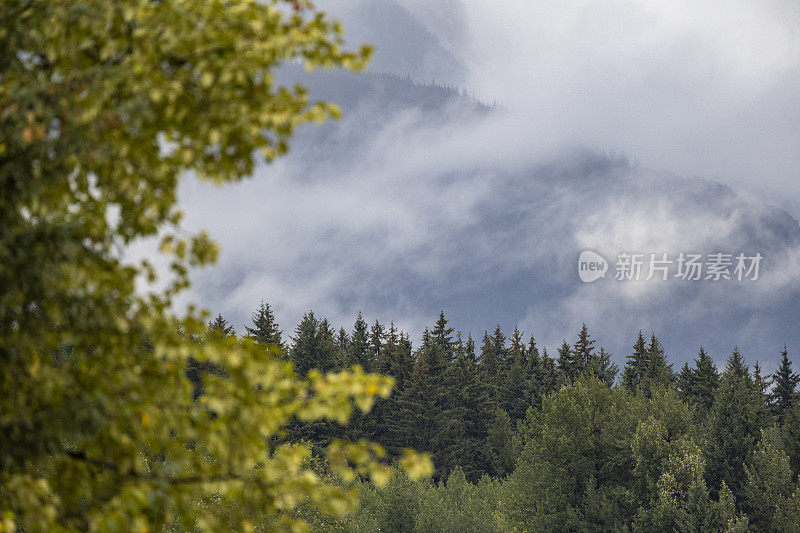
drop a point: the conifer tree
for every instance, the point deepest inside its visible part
(736, 420)
(399, 358)
(568, 363)
(313, 345)
(705, 380)
(548, 378)
(359, 344)
(472, 412)
(603, 367)
(491, 361)
(377, 334)
(264, 329)
(636, 365)
(785, 382)
(516, 389)
(658, 372)
(583, 349)
(421, 418)
(220, 327)
(342, 348)
(443, 335)
(683, 382)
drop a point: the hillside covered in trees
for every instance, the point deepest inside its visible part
(528, 441)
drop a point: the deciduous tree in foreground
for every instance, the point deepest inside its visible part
(104, 106)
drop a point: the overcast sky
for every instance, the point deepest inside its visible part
(421, 200)
(696, 87)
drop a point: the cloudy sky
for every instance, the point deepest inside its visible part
(661, 127)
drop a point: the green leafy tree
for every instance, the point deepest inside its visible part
(769, 485)
(104, 106)
(574, 470)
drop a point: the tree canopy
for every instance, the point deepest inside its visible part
(104, 107)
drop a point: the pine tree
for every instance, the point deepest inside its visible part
(377, 335)
(705, 380)
(265, 328)
(472, 412)
(784, 392)
(658, 372)
(602, 367)
(443, 335)
(421, 418)
(220, 326)
(491, 361)
(359, 344)
(735, 425)
(515, 391)
(568, 363)
(583, 349)
(636, 365)
(314, 346)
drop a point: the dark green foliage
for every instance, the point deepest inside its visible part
(636, 365)
(523, 442)
(314, 346)
(516, 391)
(472, 412)
(265, 328)
(698, 386)
(735, 423)
(784, 393)
(492, 360)
(359, 349)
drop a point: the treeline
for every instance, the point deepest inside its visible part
(522, 440)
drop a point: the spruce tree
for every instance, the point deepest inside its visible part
(603, 367)
(313, 346)
(658, 372)
(359, 344)
(568, 363)
(515, 390)
(783, 393)
(705, 381)
(735, 425)
(491, 361)
(443, 335)
(421, 418)
(220, 327)
(683, 382)
(264, 329)
(472, 412)
(636, 365)
(583, 349)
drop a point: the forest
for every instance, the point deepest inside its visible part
(122, 409)
(525, 441)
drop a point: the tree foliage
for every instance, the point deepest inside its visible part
(104, 106)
